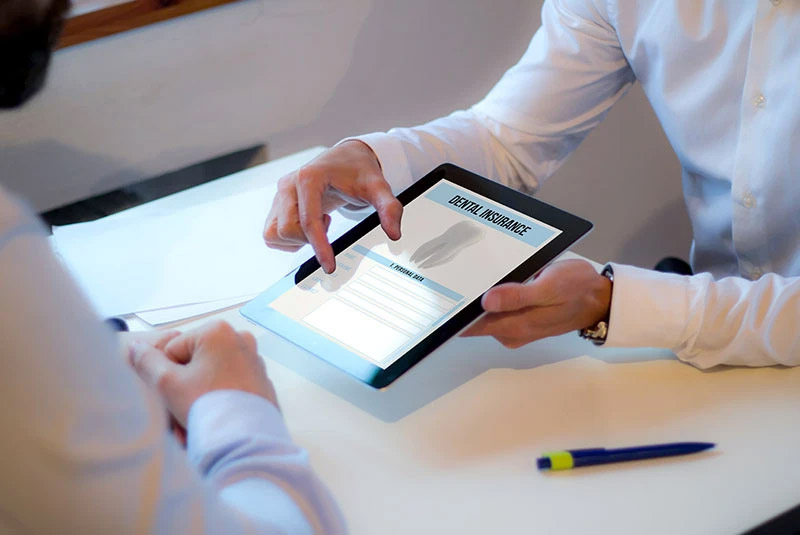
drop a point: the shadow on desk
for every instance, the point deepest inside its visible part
(452, 365)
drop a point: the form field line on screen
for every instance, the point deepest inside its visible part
(424, 281)
(356, 329)
(420, 295)
(379, 313)
(418, 291)
(381, 291)
(388, 303)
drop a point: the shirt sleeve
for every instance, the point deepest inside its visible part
(238, 441)
(571, 74)
(706, 322)
(85, 445)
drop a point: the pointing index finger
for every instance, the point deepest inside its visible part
(313, 222)
(390, 210)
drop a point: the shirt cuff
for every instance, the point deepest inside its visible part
(222, 418)
(648, 308)
(392, 158)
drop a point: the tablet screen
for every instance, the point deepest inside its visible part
(385, 296)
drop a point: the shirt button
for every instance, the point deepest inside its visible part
(748, 201)
(759, 101)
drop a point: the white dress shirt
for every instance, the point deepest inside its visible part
(722, 77)
(85, 447)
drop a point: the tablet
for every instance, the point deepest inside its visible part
(390, 303)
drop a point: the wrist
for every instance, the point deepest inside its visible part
(222, 419)
(597, 331)
(606, 284)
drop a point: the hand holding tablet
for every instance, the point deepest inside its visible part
(566, 296)
(390, 303)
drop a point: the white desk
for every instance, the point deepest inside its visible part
(449, 447)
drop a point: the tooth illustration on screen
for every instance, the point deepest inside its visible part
(448, 244)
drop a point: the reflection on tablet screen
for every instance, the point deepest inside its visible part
(386, 296)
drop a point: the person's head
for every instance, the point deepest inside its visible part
(28, 31)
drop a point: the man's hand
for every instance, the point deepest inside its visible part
(213, 357)
(346, 173)
(156, 339)
(566, 296)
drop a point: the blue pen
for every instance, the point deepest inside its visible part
(564, 460)
(117, 324)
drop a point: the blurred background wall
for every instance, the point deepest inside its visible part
(291, 74)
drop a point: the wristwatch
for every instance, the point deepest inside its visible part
(598, 332)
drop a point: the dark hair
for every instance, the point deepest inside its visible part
(25, 50)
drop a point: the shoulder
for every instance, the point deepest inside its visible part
(600, 12)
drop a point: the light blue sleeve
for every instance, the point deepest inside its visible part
(241, 446)
(85, 446)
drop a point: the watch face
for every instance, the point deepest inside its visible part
(608, 272)
(596, 334)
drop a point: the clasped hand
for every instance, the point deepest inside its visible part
(181, 367)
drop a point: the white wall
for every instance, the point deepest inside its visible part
(294, 73)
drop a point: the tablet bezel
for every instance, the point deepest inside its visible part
(572, 228)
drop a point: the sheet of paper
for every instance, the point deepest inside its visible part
(208, 252)
(182, 312)
(251, 179)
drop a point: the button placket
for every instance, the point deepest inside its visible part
(746, 227)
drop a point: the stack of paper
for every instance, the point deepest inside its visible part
(181, 263)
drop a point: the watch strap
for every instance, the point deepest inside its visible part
(598, 332)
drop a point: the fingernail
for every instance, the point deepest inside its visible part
(489, 302)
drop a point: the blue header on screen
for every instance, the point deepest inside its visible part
(435, 286)
(476, 207)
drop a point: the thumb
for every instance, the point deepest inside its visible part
(511, 296)
(181, 348)
(151, 364)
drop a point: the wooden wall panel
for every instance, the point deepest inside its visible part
(127, 16)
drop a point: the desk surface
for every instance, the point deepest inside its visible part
(449, 447)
